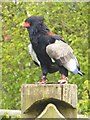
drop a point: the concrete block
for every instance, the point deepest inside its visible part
(35, 98)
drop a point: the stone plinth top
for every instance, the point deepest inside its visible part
(36, 95)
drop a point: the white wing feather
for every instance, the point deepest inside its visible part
(33, 54)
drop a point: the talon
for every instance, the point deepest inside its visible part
(63, 81)
(43, 80)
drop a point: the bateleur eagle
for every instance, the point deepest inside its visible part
(50, 51)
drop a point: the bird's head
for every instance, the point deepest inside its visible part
(32, 21)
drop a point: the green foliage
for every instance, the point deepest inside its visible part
(69, 20)
(7, 117)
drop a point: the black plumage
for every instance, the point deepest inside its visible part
(41, 37)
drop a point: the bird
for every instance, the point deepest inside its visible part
(50, 51)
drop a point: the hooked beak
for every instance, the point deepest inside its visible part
(25, 24)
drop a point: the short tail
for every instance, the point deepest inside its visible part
(81, 73)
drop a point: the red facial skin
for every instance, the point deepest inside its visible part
(26, 24)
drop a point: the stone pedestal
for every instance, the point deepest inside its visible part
(49, 100)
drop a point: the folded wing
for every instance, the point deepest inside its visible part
(62, 52)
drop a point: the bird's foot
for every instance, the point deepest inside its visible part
(63, 81)
(43, 80)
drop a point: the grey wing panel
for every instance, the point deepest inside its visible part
(60, 50)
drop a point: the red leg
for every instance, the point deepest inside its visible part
(63, 80)
(43, 80)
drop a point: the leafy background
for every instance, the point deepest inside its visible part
(69, 20)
